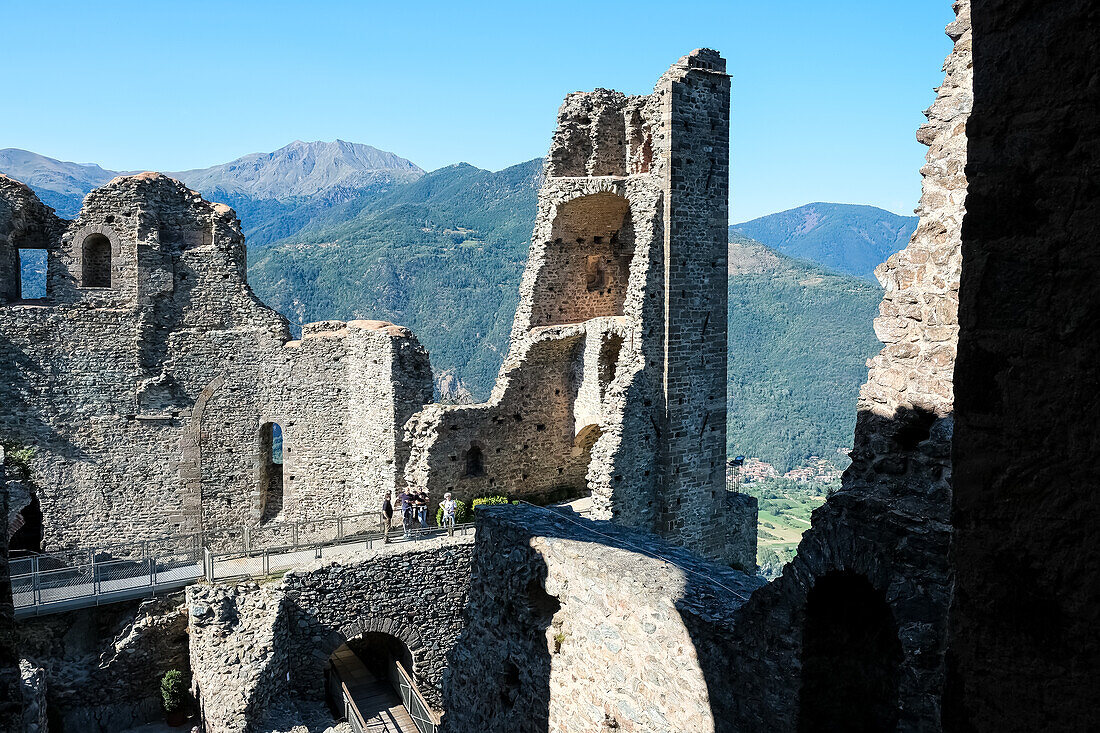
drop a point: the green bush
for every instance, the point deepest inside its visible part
(173, 690)
(490, 501)
(462, 514)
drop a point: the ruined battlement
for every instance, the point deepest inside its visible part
(161, 396)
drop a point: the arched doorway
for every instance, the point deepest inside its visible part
(26, 529)
(370, 682)
(95, 258)
(851, 658)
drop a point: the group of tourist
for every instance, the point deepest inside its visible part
(414, 512)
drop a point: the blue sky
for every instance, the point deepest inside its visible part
(826, 95)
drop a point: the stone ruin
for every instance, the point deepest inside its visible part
(950, 584)
(614, 383)
(149, 379)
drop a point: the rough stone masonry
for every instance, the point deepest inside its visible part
(149, 380)
(614, 382)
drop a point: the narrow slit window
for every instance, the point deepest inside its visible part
(32, 274)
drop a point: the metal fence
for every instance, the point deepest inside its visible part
(426, 721)
(67, 579)
(279, 559)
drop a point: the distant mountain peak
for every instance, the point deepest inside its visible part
(848, 238)
(300, 168)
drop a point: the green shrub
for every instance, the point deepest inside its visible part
(173, 690)
(462, 513)
(490, 501)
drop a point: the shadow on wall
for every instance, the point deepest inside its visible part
(883, 539)
(851, 637)
(589, 625)
(21, 372)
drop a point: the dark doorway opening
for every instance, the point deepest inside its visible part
(28, 535)
(851, 658)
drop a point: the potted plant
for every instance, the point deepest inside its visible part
(173, 692)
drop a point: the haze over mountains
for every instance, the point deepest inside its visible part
(341, 230)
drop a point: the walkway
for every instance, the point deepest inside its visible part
(370, 705)
(95, 582)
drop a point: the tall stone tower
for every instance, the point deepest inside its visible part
(615, 380)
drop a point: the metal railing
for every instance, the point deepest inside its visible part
(274, 560)
(425, 719)
(63, 580)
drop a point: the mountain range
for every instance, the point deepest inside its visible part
(340, 230)
(844, 237)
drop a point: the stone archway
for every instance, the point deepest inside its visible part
(851, 658)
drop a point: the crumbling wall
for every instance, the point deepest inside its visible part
(889, 524)
(145, 400)
(575, 625)
(621, 326)
(239, 640)
(101, 667)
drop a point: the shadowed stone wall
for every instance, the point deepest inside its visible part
(11, 706)
(144, 401)
(1024, 644)
(580, 625)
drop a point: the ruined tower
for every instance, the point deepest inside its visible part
(615, 380)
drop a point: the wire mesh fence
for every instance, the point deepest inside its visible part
(101, 574)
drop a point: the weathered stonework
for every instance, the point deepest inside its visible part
(889, 524)
(1024, 641)
(101, 667)
(252, 646)
(11, 705)
(614, 383)
(145, 399)
(579, 625)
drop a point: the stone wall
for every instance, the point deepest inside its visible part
(886, 531)
(614, 382)
(579, 625)
(145, 401)
(239, 660)
(1024, 642)
(11, 706)
(101, 667)
(253, 646)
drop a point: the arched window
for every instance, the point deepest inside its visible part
(95, 259)
(475, 461)
(271, 471)
(851, 658)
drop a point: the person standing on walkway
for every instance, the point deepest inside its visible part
(387, 518)
(406, 511)
(422, 509)
(450, 506)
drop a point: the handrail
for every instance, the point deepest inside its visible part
(89, 580)
(359, 725)
(422, 714)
